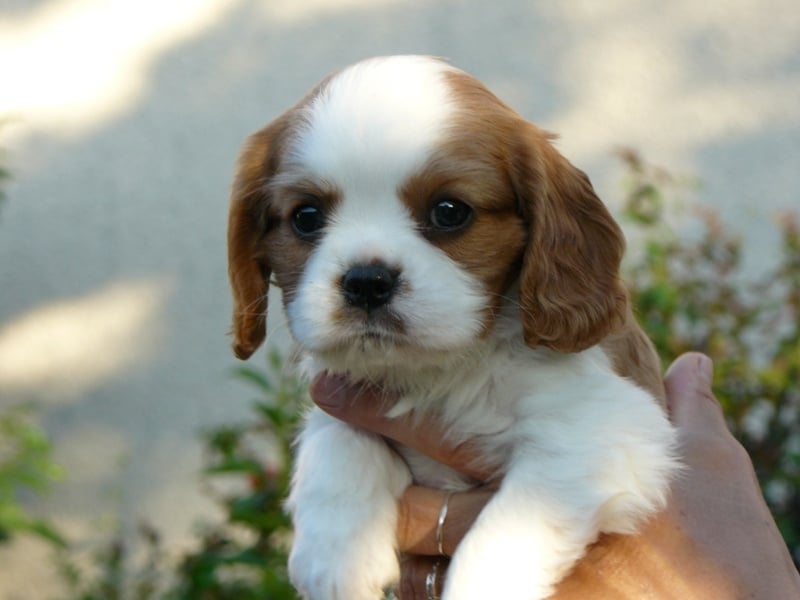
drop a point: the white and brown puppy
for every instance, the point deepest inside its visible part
(429, 239)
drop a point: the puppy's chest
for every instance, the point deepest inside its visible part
(483, 412)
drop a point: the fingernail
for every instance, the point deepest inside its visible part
(705, 369)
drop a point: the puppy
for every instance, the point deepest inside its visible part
(428, 239)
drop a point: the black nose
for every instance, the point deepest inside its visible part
(369, 286)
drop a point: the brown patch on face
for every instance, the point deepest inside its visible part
(536, 216)
(472, 165)
(489, 245)
(287, 250)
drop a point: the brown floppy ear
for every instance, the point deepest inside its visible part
(248, 267)
(571, 293)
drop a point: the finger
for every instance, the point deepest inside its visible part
(706, 441)
(364, 405)
(690, 400)
(419, 512)
(418, 573)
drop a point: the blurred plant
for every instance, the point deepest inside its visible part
(242, 558)
(693, 294)
(26, 465)
(113, 573)
(246, 556)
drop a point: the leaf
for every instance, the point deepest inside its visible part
(241, 465)
(255, 377)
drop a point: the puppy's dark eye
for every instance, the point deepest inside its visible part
(450, 214)
(307, 221)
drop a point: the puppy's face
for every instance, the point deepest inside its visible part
(396, 204)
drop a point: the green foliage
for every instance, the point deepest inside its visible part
(695, 295)
(241, 558)
(114, 574)
(26, 465)
(246, 556)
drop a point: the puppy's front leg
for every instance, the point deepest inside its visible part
(525, 540)
(344, 505)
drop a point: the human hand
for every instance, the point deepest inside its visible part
(715, 539)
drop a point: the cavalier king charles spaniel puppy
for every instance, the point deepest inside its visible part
(429, 240)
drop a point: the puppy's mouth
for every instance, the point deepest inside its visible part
(382, 327)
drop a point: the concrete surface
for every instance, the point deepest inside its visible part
(123, 120)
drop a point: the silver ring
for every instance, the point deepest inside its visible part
(440, 524)
(430, 582)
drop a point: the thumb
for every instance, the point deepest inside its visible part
(690, 401)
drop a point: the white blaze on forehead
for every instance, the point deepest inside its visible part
(376, 121)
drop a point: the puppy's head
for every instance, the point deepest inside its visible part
(397, 203)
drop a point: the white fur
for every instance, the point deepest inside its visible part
(374, 122)
(583, 450)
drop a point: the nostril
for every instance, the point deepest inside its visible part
(369, 286)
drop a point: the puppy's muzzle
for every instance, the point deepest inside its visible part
(369, 287)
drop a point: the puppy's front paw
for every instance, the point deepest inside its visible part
(354, 569)
(514, 551)
(495, 570)
(344, 508)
